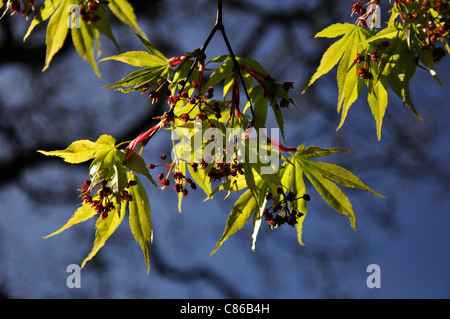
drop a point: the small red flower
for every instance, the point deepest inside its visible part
(174, 61)
(184, 118)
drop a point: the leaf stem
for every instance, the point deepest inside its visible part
(218, 26)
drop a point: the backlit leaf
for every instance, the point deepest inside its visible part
(315, 151)
(138, 58)
(323, 177)
(44, 12)
(82, 214)
(333, 54)
(136, 164)
(292, 179)
(332, 194)
(378, 100)
(57, 30)
(335, 30)
(140, 217)
(243, 209)
(104, 229)
(140, 79)
(77, 152)
(260, 104)
(339, 175)
(349, 83)
(83, 40)
(123, 10)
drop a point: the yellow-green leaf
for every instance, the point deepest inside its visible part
(105, 228)
(142, 78)
(378, 100)
(104, 26)
(332, 56)
(83, 150)
(140, 217)
(335, 30)
(240, 214)
(257, 216)
(339, 175)
(57, 30)
(123, 10)
(292, 179)
(349, 84)
(77, 152)
(385, 35)
(82, 214)
(137, 164)
(332, 194)
(83, 40)
(242, 210)
(44, 12)
(138, 58)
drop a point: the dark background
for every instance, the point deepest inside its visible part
(406, 234)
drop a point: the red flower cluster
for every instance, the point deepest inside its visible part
(432, 29)
(22, 6)
(223, 170)
(281, 209)
(204, 103)
(88, 10)
(364, 72)
(358, 8)
(178, 177)
(102, 204)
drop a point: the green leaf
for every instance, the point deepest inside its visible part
(339, 175)
(138, 58)
(349, 83)
(299, 188)
(315, 151)
(292, 179)
(323, 177)
(44, 12)
(83, 150)
(57, 30)
(101, 167)
(331, 193)
(201, 178)
(136, 164)
(140, 79)
(378, 101)
(77, 152)
(335, 30)
(257, 216)
(83, 40)
(105, 228)
(140, 217)
(225, 70)
(241, 212)
(118, 181)
(385, 34)
(82, 214)
(108, 166)
(105, 142)
(399, 70)
(151, 49)
(104, 26)
(260, 104)
(280, 120)
(332, 55)
(123, 10)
